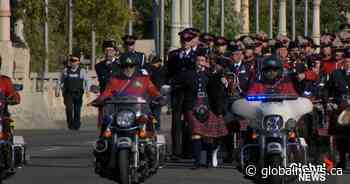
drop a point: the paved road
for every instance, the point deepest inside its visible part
(65, 157)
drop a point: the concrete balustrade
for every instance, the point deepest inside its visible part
(41, 109)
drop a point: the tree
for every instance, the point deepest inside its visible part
(109, 18)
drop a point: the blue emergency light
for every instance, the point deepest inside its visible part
(256, 98)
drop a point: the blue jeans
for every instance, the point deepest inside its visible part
(156, 111)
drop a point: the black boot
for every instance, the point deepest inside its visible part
(209, 149)
(197, 148)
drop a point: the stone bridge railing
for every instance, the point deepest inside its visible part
(40, 108)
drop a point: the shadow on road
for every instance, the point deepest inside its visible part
(59, 166)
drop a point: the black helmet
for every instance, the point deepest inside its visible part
(127, 59)
(271, 63)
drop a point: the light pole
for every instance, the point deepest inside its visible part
(46, 40)
(206, 20)
(293, 20)
(257, 17)
(130, 21)
(306, 17)
(222, 11)
(161, 40)
(70, 26)
(270, 19)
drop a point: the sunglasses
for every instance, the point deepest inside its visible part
(186, 39)
(129, 43)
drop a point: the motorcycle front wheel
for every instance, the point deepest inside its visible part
(275, 161)
(124, 171)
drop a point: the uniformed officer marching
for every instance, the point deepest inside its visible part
(179, 61)
(74, 81)
(129, 47)
(109, 66)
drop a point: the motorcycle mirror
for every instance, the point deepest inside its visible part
(18, 87)
(95, 89)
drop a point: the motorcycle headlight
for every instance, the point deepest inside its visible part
(273, 123)
(125, 118)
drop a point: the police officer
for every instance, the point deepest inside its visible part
(109, 66)
(74, 81)
(179, 61)
(339, 89)
(207, 41)
(156, 72)
(238, 79)
(129, 47)
(221, 44)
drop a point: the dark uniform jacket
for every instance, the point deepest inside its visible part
(104, 72)
(140, 58)
(180, 61)
(157, 75)
(338, 86)
(73, 81)
(189, 84)
(242, 73)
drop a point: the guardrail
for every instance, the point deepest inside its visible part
(39, 83)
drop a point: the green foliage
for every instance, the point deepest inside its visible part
(231, 18)
(107, 17)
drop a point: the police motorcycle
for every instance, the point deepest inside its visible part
(12, 148)
(129, 150)
(273, 118)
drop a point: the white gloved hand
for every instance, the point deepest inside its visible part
(224, 81)
(144, 72)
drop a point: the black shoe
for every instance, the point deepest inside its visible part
(196, 167)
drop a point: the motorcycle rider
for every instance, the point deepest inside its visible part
(129, 82)
(7, 89)
(272, 79)
(8, 92)
(338, 86)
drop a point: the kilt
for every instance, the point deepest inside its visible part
(214, 127)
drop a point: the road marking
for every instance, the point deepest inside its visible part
(52, 149)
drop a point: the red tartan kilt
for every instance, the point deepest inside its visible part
(214, 127)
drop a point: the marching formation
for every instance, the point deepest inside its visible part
(268, 98)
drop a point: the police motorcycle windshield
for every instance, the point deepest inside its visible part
(288, 107)
(125, 108)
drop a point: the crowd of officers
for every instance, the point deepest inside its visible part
(208, 73)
